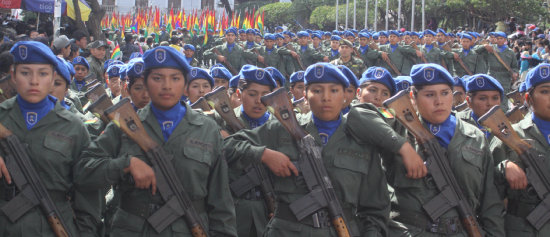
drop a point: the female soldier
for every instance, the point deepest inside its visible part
(351, 91)
(136, 83)
(200, 83)
(469, 157)
(510, 169)
(483, 92)
(193, 141)
(376, 86)
(55, 139)
(354, 169)
(221, 76)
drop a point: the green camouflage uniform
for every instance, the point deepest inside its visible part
(235, 57)
(473, 61)
(356, 65)
(96, 68)
(398, 58)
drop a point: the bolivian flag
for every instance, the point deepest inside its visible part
(116, 54)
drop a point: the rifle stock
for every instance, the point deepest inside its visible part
(498, 124)
(202, 104)
(7, 88)
(517, 113)
(177, 201)
(438, 165)
(91, 83)
(95, 92)
(514, 96)
(458, 98)
(301, 105)
(461, 107)
(388, 60)
(226, 63)
(99, 106)
(322, 193)
(219, 100)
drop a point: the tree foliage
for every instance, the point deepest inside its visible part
(277, 14)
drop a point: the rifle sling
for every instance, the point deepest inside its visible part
(145, 209)
(320, 219)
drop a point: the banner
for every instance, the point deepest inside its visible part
(42, 6)
(13, 4)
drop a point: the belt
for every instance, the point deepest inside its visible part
(319, 219)
(145, 209)
(519, 209)
(444, 225)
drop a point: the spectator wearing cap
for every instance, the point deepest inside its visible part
(97, 59)
(484, 92)
(61, 46)
(55, 137)
(81, 40)
(230, 54)
(400, 56)
(355, 64)
(471, 59)
(189, 51)
(495, 68)
(198, 84)
(325, 93)
(308, 55)
(368, 55)
(534, 127)
(174, 125)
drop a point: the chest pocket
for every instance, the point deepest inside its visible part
(59, 143)
(473, 156)
(348, 173)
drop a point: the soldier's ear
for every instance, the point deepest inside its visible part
(529, 99)
(469, 101)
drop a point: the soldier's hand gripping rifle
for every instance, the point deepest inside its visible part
(387, 60)
(438, 165)
(534, 161)
(298, 58)
(32, 191)
(177, 201)
(447, 48)
(226, 63)
(415, 47)
(322, 193)
(256, 175)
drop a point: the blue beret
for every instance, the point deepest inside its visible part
(327, 34)
(309, 31)
(279, 35)
(383, 33)
(136, 55)
(242, 31)
(430, 74)
(407, 33)
(364, 35)
(269, 36)
(189, 46)
(135, 68)
(522, 87)
(199, 73)
(123, 72)
(27, 52)
(165, 56)
(292, 34)
(380, 75)
(297, 76)
(375, 35)
(467, 36)
(234, 81)
(415, 33)
(315, 35)
(106, 64)
(500, 34)
(403, 83)
(349, 75)
(335, 37)
(325, 73)
(302, 34)
(257, 75)
(460, 81)
(335, 32)
(278, 28)
(62, 69)
(354, 31)
(537, 75)
(393, 32)
(287, 33)
(441, 31)
(429, 32)
(114, 70)
(277, 75)
(541, 36)
(220, 72)
(249, 31)
(348, 33)
(79, 60)
(231, 30)
(483, 82)
(70, 68)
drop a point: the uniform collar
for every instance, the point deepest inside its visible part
(543, 127)
(189, 121)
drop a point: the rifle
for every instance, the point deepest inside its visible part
(32, 191)
(515, 97)
(415, 47)
(322, 194)
(91, 83)
(255, 50)
(95, 92)
(459, 60)
(512, 73)
(7, 88)
(517, 113)
(301, 106)
(438, 166)
(495, 121)
(219, 100)
(298, 58)
(177, 201)
(255, 174)
(461, 107)
(202, 104)
(458, 98)
(226, 63)
(99, 106)
(388, 61)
